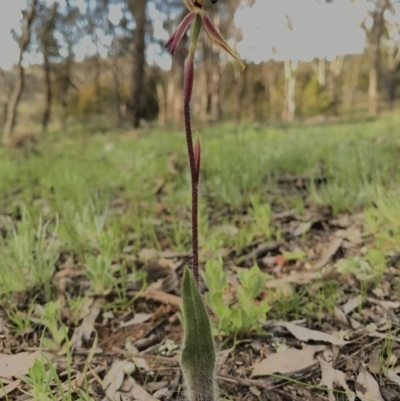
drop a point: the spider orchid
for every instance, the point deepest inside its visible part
(195, 8)
(197, 17)
(198, 357)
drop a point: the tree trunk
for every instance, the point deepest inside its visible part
(391, 86)
(354, 82)
(322, 72)
(138, 9)
(289, 106)
(270, 79)
(373, 80)
(374, 36)
(20, 81)
(65, 86)
(241, 83)
(97, 67)
(393, 62)
(162, 103)
(176, 105)
(45, 42)
(175, 83)
(3, 97)
(335, 69)
(48, 91)
(117, 95)
(216, 109)
(203, 96)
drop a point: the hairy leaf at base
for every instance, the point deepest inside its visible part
(198, 357)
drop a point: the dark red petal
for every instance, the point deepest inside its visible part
(180, 31)
(170, 40)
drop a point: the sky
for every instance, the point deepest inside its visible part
(319, 30)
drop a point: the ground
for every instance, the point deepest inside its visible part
(303, 221)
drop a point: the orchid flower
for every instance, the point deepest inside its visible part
(195, 8)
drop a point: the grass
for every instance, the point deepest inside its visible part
(88, 199)
(76, 179)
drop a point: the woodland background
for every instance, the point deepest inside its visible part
(122, 88)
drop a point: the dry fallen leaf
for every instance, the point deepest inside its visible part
(133, 351)
(287, 361)
(392, 376)
(17, 364)
(115, 377)
(352, 304)
(332, 379)
(135, 392)
(138, 318)
(374, 363)
(352, 234)
(86, 328)
(304, 334)
(329, 253)
(384, 304)
(367, 387)
(162, 297)
(147, 255)
(341, 317)
(302, 228)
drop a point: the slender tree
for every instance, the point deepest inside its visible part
(28, 18)
(49, 48)
(289, 105)
(374, 36)
(4, 96)
(320, 71)
(354, 81)
(393, 60)
(69, 25)
(335, 69)
(138, 10)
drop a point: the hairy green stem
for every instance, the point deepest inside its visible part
(187, 96)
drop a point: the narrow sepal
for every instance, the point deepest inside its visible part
(217, 38)
(176, 38)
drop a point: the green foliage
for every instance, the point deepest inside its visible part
(28, 254)
(261, 214)
(40, 381)
(81, 227)
(21, 321)
(99, 271)
(242, 315)
(50, 317)
(46, 385)
(90, 98)
(314, 99)
(198, 358)
(367, 269)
